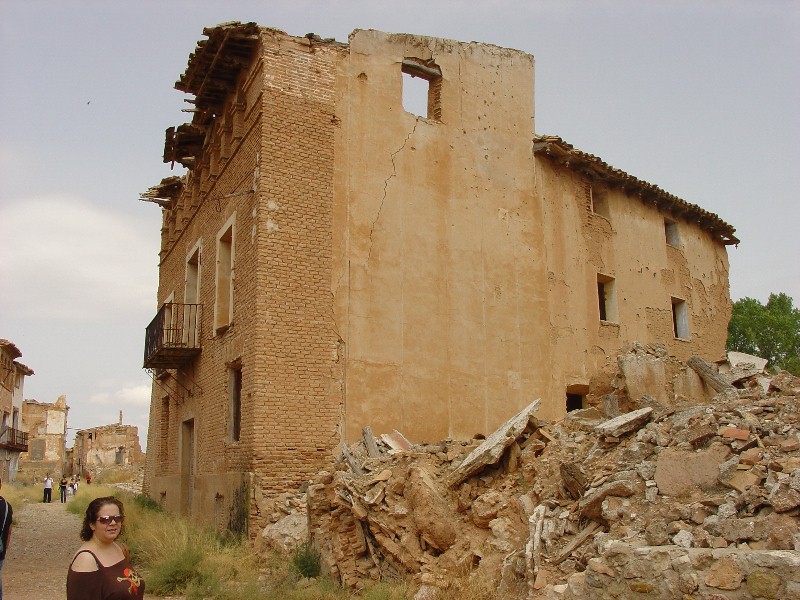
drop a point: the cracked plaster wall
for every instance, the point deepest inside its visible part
(435, 261)
(629, 246)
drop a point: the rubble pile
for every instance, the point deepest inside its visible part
(693, 493)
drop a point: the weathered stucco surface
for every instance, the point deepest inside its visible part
(434, 240)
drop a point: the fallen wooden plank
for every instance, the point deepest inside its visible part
(576, 542)
(351, 461)
(491, 449)
(709, 375)
(369, 442)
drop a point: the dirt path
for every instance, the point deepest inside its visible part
(44, 538)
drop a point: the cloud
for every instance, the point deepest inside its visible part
(74, 260)
(138, 395)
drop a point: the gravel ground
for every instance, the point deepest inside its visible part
(43, 540)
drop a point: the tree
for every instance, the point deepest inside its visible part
(771, 331)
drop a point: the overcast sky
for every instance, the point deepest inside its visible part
(700, 98)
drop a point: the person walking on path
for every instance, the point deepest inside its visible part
(62, 488)
(48, 488)
(6, 515)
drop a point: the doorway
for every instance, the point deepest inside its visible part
(187, 466)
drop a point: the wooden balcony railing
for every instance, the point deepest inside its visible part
(173, 337)
(13, 439)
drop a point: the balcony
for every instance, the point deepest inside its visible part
(173, 338)
(13, 439)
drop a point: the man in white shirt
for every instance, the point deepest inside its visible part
(48, 488)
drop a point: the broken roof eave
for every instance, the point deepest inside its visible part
(211, 76)
(560, 152)
(164, 193)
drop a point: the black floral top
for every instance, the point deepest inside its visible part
(115, 582)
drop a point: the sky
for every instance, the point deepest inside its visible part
(697, 97)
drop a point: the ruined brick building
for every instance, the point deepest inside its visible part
(13, 440)
(46, 424)
(108, 445)
(331, 261)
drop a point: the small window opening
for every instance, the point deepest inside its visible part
(680, 319)
(606, 298)
(422, 88)
(576, 396)
(223, 307)
(574, 402)
(600, 202)
(671, 233)
(235, 399)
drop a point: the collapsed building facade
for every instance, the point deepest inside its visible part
(97, 448)
(697, 497)
(13, 440)
(332, 261)
(46, 424)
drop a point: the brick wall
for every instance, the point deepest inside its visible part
(267, 165)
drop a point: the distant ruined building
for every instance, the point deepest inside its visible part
(13, 439)
(333, 261)
(46, 424)
(97, 448)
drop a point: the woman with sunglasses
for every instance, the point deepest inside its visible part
(101, 568)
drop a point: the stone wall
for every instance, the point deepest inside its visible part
(669, 572)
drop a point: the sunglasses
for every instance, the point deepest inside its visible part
(107, 519)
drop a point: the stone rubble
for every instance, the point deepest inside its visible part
(678, 495)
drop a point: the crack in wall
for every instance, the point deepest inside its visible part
(386, 184)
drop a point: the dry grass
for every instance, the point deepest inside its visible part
(115, 475)
(179, 557)
(18, 494)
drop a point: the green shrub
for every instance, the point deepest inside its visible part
(306, 561)
(147, 503)
(175, 572)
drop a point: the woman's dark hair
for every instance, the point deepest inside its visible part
(91, 514)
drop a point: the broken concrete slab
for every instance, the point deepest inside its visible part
(490, 451)
(619, 426)
(736, 359)
(679, 472)
(644, 375)
(591, 504)
(396, 442)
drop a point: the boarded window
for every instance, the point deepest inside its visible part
(163, 441)
(235, 401)
(600, 202)
(223, 307)
(671, 233)
(606, 298)
(36, 449)
(680, 319)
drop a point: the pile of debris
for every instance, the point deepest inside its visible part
(698, 497)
